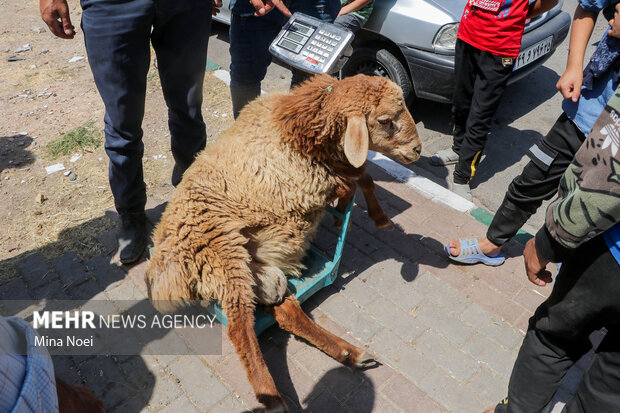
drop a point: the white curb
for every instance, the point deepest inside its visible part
(424, 186)
(223, 75)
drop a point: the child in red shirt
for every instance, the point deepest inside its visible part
(489, 39)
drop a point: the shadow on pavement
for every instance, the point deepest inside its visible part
(349, 385)
(128, 382)
(123, 383)
(364, 397)
(505, 147)
(14, 153)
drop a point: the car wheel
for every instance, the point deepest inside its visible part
(379, 62)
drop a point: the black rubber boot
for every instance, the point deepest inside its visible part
(507, 221)
(132, 236)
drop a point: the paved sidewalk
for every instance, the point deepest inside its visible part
(446, 335)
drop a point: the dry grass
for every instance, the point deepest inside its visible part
(72, 217)
(77, 140)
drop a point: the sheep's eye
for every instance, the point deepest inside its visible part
(384, 121)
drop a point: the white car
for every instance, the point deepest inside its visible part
(412, 43)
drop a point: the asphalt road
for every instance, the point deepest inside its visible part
(527, 111)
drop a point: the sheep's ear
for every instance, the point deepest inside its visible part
(356, 141)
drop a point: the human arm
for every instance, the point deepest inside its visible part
(614, 23)
(539, 7)
(355, 5)
(588, 200)
(588, 204)
(535, 265)
(54, 10)
(265, 6)
(569, 83)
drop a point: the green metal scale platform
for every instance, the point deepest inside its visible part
(320, 272)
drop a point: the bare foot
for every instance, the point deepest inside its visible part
(488, 248)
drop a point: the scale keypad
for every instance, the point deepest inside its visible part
(321, 45)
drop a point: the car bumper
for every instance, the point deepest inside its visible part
(432, 74)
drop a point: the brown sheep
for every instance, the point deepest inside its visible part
(243, 216)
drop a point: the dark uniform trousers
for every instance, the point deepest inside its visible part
(585, 298)
(118, 35)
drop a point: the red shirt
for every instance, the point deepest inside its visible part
(495, 26)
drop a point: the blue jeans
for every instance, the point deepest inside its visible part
(250, 38)
(117, 36)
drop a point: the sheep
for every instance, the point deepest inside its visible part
(242, 218)
(375, 211)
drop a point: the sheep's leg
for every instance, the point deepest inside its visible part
(375, 212)
(291, 317)
(242, 335)
(343, 201)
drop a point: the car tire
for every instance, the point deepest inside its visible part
(379, 62)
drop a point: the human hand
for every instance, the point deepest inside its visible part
(569, 83)
(265, 6)
(55, 13)
(535, 266)
(614, 24)
(216, 7)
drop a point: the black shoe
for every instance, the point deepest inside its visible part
(501, 407)
(132, 236)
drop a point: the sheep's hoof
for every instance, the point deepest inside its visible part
(273, 404)
(388, 226)
(276, 409)
(384, 223)
(337, 223)
(365, 360)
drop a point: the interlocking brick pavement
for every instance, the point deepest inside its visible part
(445, 335)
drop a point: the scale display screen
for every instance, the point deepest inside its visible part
(305, 30)
(295, 37)
(288, 45)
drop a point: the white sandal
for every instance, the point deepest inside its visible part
(472, 254)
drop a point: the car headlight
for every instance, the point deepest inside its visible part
(445, 39)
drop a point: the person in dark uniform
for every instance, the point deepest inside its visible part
(251, 33)
(118, 36)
